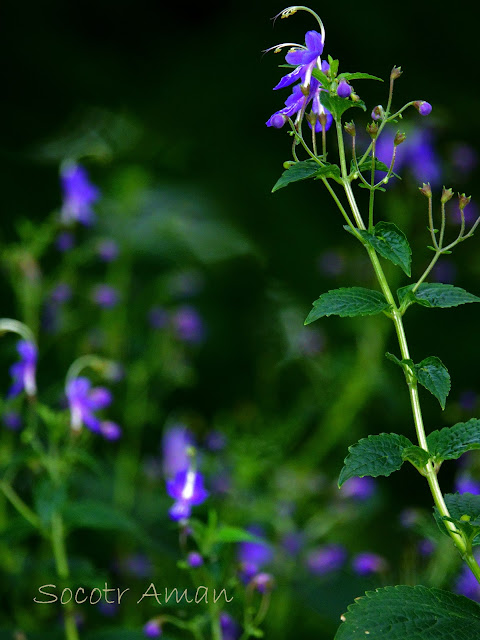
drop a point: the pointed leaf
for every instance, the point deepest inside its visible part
(416, 456)
(236, 534)
(436, 294)
(390, 242)
(367, 166)
(374, 456)
(304, 170)
(464, 512)
(348, 302)
(416, 613)
(451, 442)
(434, 376)
(357, 75)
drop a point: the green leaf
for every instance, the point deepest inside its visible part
(435, 294)
(48, 499)
(90, 514)
(357, 75)
(451, 442)
(117, 634)
(416, 456)
(390, 242)
(337, 106)
(413, 613)
(367, 166)
(464, 510)
(304, 170)
(434, 376)
(236, 534)
(319, 75)
(401, 363)
(374, 456)
(348, 302)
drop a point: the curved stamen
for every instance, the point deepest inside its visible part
(279, 47)
(289, 11)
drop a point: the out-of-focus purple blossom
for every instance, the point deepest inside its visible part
(464, 483)
(110, 430)
(108, 250)
(152, 629)
(84, 401)
(293, 542)
(79, 194)
(444, 271)
(263, 582)
(65, 241)
(61, 293)
(215, 440)
(471, 212)
(23, 371)
(138, 565)
(106, 296)
(221, 482)
(417, 154)
(309, 341)
(158, 317)
(359, 488)
(194, 559)
(176, 442)
(331, 263)
(108, 609)
(252, 556)
(409, 517)
(187, 489)
(466, 583)
(468, 400)
(325, 559)
(425, 547)
(188, 325)
(186, 284)
(464, 158)
(364, 564)
(12, 420)
(230, 629)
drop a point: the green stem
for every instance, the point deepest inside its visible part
(22, 508)
(61, 563)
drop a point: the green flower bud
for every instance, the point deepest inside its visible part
(447, 194)
(399, 138)
(372, 130)
(350, 128)
(426, 190)
(463, 200)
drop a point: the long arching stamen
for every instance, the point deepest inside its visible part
(278, 47)
(289, 11)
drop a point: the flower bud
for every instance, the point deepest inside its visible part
(426, 190)
(399, 138)
(378, 112)
(344, 89)
(288, 163)
(152, 629)
(194, 560)
(463, 200)
(447, 194)
(354, 97)
(423, 108)
(396, 73)
(372, 130)
(350, 128)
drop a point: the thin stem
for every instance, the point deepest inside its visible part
(299, 137)
(372, 190)
(430, 224)
(341, 208)
(61, 563)
(22, 508)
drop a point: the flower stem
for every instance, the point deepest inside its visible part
(61, 563)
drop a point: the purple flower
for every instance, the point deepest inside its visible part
(194, 560)
(61, 293)
(344, 89)
(152, 629)
(366, 563)
(110, 430)
(107, 250)
(464, 483)
(425, 547)
(23, 371)
(326, 559)
(293, 542)
(176, 442)
(424, 108)
(158, 317)
(84, 401)
(466, 583)
(138, 565)
(252, 556)
(188, 325)
(359, 488)
(187, 490)
(230, 629)
(105, 296)
(417, 153)
(78, 195)
(263, 582)
(65, 241)
(305, 58)
(108, 609)
(12, 420)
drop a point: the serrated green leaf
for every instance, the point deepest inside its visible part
(348, 302)
(390, 242)
(436, 294)
(357, 75)
(374, 456)
(416, 456)
(464, 512)
(304, 170)
(452, 442)
(416, 613)
(337, 106)
(433, 375)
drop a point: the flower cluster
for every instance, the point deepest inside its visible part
(84, 401)
(305, 58)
